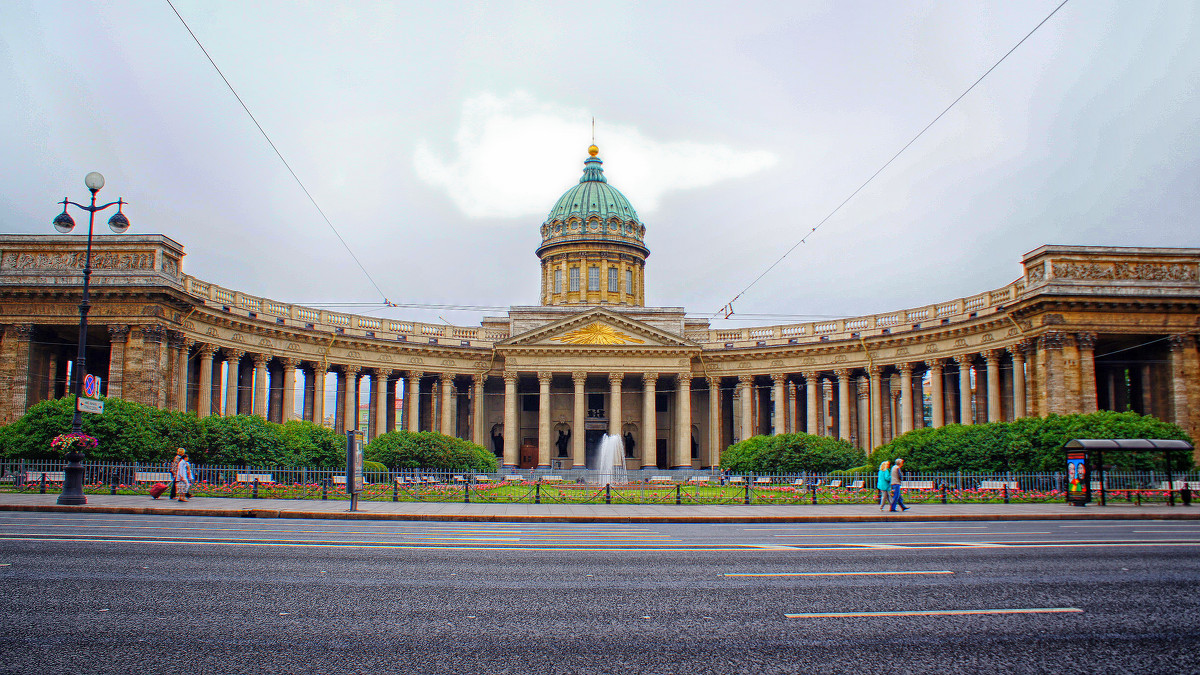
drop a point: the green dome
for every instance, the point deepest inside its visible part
(593, 210)
(592, 196)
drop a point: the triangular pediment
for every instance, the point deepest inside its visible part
(597, 328)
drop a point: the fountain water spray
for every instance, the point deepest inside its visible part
(610, 461)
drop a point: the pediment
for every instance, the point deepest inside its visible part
(596, 328)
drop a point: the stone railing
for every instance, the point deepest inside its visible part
(338, 323)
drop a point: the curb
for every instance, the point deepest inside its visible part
(549, 518)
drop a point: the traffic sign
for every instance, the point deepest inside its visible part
(89, 405)
(91, 386)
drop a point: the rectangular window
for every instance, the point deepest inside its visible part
(629, 281)
(593, 278)
(574, 279)
(613, 275)
(558, 281)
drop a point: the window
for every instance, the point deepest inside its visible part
(558, 281)
(574, 279)
(613, 275)
(629, 281)
(593, 278)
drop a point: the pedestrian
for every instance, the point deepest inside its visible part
(897, 473)
(179, 453)
(183, 479)
(884, 483)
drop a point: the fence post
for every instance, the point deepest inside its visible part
(467, 490)
(112, 490)
(944, 492)
(608, 493)
(537, 492)
(747, 490)
(43, 482)
(813, 486)
(678, 500)
(324, 488)
(396, 490)
(1005, 492)
(254, 494)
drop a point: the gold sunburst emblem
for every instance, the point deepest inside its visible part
(597, 334)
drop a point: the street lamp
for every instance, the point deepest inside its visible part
(72, 490)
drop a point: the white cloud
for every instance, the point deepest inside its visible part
(513, 155)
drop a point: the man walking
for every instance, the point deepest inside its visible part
(897, 472)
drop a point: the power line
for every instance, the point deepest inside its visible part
(728, 308)
(279, 154)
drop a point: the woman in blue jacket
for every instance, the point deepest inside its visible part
(884, 483)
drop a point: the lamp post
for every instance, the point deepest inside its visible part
(72, 490)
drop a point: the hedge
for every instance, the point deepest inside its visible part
(790, 454)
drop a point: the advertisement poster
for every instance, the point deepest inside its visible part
(1077, 478)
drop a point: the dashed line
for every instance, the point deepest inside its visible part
(833, 574)
(935, 612)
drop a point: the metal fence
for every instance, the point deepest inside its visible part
(651, 486)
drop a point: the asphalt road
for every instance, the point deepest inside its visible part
(108, 593)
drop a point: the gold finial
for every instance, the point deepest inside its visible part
(593, 151)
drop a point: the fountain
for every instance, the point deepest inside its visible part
(610, 461)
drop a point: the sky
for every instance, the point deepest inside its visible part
(436, 136)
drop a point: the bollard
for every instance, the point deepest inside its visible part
(396, 490)
(943, 492)
(43, 483)
(608, 493)
(814, 493)
(254, 494)
(747, 491)
(678, 500)
(1005, 492)
(1139, 498)
(1185, 495)
(467, 491)
(112, 489)
(325, 488)
(537, 492)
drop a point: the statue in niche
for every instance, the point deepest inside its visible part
(498, 440)
(695, 448)
(564, 437)
(630, 444)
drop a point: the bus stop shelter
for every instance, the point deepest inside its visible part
(1085, 459)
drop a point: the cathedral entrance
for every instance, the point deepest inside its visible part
(592, 445)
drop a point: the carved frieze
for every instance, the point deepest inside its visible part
(1119, 271)
(109, 260)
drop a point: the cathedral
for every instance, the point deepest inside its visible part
(1084, 328)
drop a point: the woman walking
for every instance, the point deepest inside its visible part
(183, 478)
(884, 483)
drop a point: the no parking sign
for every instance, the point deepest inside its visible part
(91, 386)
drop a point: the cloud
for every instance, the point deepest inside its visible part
(513, 156)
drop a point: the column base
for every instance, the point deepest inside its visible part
(649, 467)
(683, 466)
(579, 467)
(543, 466)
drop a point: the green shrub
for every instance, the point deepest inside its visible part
(1030, 444)
(310, 444)
(791, 453)
(428, 450)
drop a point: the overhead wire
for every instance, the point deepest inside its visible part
(279, 154)
(727, 309)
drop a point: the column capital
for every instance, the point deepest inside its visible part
(1086, 340)
(414, 374)
(579, 376)
(1052, 340)
(510, 378)
(118, 332)
(746, 380)
(153, 334)
(479, 379)
(810, 377)
(317, 366)
(1018, 350)
(684, 379)
(874, 370)
(206, 349)
(544, 377)
(714, 381)
(1179, 342)
(260, 360)
(778, 378)
(616, 378)
(175, 339)
(446, 378)
(906, 369)
(993, 355)
(650, 379)
(935, 364)
(842, 374)
(233, 354)
(351, 370)
(289, 361)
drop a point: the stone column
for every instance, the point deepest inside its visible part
(683, 423)
(204, 396)
(446, 424)
(118, 337)
(994, 408)
(746, 394)
(812, 387)
(649, 421)
(320, 371)
(412, 396)
(1181, 411)
(779, 412)
(843, 383)
(1087, 371)
(18, 367)
(233, 358)
(350, 403)
(1018, 358)
(579, 421)
(478, 409)
(906, 398)
(287, 410)
(544, 419)
(964, 389)
(876, 392)
(154, 367)
(260, 384)
(1052, 372)
(175, 372)
(864, 413)
(511, 451)
(793, 413)
(937, 402)
(614, 403)
(714, 422)
(379, 378)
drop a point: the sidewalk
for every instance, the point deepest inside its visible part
(585, 513)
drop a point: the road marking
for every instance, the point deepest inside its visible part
(833, 574)
(840, 529)
(914, 533)
(937, 612)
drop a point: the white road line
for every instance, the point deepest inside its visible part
(915, 533)
(833, 574)
(936, 612)
(840, 529)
